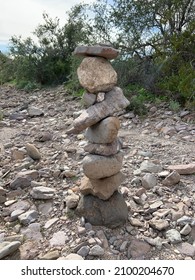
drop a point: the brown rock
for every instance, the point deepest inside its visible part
(159, 224)
(102, 188)
(33, 152)
(52, 255)
(31, 174)
(186, 249)
(104, 149)
(23, 179)
(172, 179)
(2, 191)
(29, 250)
(168, 130)
(138, 249)
(97, 50)
(20, 182)
(114, 102)
(17, 154)
(103, 132)
(97, 167)
(96, 74)
(2, 199)
(183, 169)
(44, 136)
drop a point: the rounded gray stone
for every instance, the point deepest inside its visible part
(28, 217)
(149, 181)
(83, 251)
(97, 167)
(96, 250)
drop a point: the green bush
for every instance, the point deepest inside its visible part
(6, 69)
(180, 85)
(174, 106)
(73, 86)
(138, 97)
(27, 85)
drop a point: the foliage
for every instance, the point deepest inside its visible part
(48, 60)
(174, 106)
(6, 69)
(147, 27)
(138, 97)
(27, 85)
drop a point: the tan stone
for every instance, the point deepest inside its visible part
(104, 149)
(103, 132)
(32, 151)
(171, 179)
(183, 169)
(96, 74)
(102, 188)
(17, 154)
(114, 102)
(97, 50)
(97, 167)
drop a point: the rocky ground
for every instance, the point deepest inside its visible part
(41, 170)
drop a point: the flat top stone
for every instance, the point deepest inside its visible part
(97, 50)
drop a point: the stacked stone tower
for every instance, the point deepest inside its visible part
(101, 203)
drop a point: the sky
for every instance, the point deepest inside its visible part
(21, 17)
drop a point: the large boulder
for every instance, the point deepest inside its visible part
(110, 213)
(103, 132)
(96, 74)
(97, 167)
(114, 101)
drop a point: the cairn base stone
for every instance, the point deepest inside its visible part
(110, 213)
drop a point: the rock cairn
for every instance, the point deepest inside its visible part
(101, 203)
